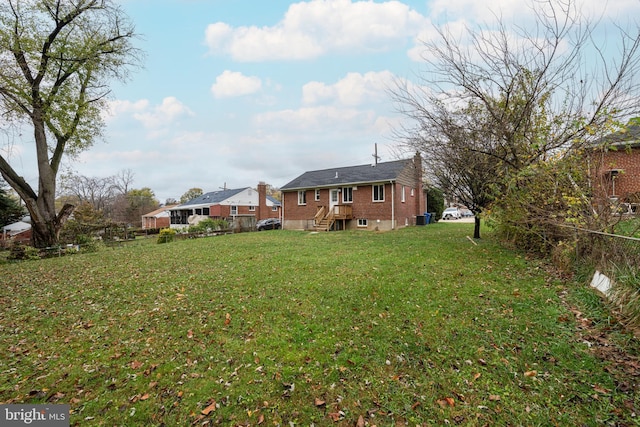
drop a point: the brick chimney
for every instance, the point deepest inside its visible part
(262, 201)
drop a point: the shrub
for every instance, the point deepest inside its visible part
(166, 235)
(20, 252)
(209, 225)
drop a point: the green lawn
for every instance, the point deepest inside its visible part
(291, 328)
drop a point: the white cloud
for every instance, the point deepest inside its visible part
(230, 84)
(353, 90)
(120, 107)
(164, 114)
(316, 119)
(314, 28)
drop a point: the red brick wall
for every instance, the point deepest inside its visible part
(363, 205)
(627, 181)
(152, 222)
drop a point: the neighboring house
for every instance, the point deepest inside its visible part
(160, 218)
(616, 166)
(230, 205)
(17, 232)
(369, 197)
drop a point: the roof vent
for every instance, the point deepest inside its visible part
(336, 174)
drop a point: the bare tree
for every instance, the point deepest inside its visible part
(122, 181)
(528, 94)
(56, 58)
(98, 192)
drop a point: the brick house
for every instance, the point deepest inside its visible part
(160, 218)
(18, 232)
(616, 167)
(243, 205)
(368, 197)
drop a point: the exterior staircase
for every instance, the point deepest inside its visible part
(325, 219)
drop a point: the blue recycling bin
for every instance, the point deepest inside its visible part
(427, 218)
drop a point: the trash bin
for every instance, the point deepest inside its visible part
(427, 218)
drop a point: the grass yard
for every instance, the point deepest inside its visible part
(412, 327)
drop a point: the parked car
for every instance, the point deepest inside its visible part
(268, 224)
(466, 213)
(451, 213)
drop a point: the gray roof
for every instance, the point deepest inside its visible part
(213, 197)
(630, 136)
(387, 171)
(275, 202)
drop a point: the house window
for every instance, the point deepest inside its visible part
(252, 208)
(378, 193)
(347, 195)
(402, 195)
(302, 197)
(198, 211)
(317, 195)
(234, 210)
(274, 208)
(362, 222)
(205, 211)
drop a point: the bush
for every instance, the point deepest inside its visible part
(166, 235)
(209, 225)
(20, 252)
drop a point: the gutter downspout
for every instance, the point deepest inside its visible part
(393, 206)
(282, 209)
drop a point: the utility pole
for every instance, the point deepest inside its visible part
(375, 155)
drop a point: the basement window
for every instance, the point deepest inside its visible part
(362, 222)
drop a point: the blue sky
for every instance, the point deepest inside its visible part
(237, 92)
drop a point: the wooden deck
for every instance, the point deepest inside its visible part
(326, 218)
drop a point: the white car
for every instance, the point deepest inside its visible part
(451, 213)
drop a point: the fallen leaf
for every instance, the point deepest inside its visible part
(335, 416)
(360, 422)
(260, 419)
(227, 319)
(144, 396)
(209, 409)
(476, 376)
(447, 401)
(415, 405)
(135, 364)
(494, 397)
(319, 402)
(189, 334)
(531, 373)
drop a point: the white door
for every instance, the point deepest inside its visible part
(334, 198)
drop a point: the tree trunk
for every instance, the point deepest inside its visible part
(476, 228)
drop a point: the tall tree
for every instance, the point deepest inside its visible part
(130, 207)
(540, 91)
(56, 59)
(191, 194)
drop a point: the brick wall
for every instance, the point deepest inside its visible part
(623, 183)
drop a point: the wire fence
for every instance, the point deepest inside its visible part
(607, 251)
(618, 258)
